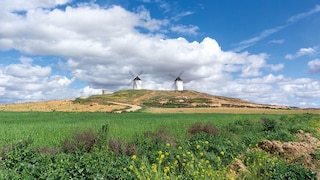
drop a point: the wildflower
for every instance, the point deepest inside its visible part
(179, 147)
(198, 146)
(134, 157)
(206, 142)
(131, 167)
(161, 156)
(154, 167)
(201, 154)
(159, 152)
(222, 153)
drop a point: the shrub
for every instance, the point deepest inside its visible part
(161, 135)
(120, 147)
(81, 141)
(269, 125)
(207, 128)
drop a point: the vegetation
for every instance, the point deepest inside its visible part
(151, 146)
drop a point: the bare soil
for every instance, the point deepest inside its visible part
(61, 105)
(296, 152)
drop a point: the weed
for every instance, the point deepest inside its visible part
(161, 135)
(198, 127)
(81, 141)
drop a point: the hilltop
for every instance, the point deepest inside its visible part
(155, 101)
(173, 99)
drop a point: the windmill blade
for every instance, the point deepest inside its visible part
(130, 72)
(173, 86)
(130, 83)
(140, 73)
(181, 73)
(173, 76)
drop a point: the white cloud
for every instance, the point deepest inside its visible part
(314, 66)
(186, 30)
(181, 15)
(301, 52)
(101, 51)
(28, 82)
(277, 41)
(297, 17)
(88, 91)
(18, 5)
(250, 42)
(266, 33)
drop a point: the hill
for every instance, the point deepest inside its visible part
(173, 99)
(155, 101)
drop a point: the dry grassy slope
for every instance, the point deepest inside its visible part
(161, 98)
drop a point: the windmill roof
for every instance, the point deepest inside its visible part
(178, 79)
(136, 78)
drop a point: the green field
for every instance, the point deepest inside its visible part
(48, 129)
(56, 145)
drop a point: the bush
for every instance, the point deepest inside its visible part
(161, 135)
(207, 128)
(83, 141)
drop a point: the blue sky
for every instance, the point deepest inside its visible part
(261, 51)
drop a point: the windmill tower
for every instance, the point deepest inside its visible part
(178, 83)
(136, 81)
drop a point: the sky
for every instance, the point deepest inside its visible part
(263, 51)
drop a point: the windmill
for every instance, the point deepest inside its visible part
(136, 81)
(178, 83)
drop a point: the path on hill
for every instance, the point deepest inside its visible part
(132, 108)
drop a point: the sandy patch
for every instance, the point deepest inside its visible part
(61, 106)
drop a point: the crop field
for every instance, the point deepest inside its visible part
(48, 129)
(140, 145)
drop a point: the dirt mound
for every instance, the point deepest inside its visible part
(302, 152)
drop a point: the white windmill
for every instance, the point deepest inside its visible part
(136, 81)
(178, 83)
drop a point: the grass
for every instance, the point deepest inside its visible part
(155, 146)
(48, 129)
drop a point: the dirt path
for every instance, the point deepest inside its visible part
(132, 108)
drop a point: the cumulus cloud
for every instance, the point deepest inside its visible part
(101, 51)
(314, 66)
(29, 82)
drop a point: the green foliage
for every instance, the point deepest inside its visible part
(157, 151)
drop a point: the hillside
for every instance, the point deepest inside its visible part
(173, 99)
